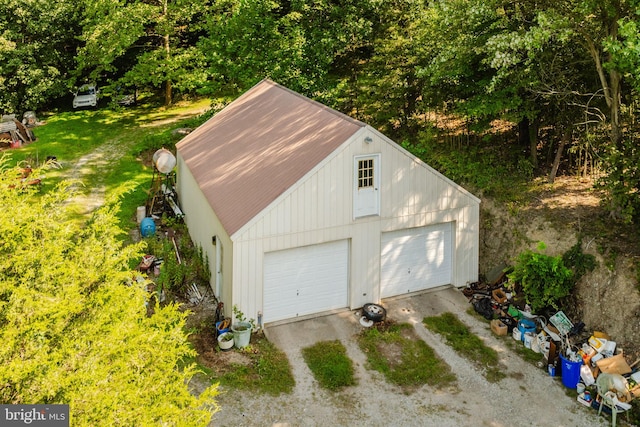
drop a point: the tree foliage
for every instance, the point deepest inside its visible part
(34, 52)
(144, 43)
(564, 73)
(75, 326)
(296, 43)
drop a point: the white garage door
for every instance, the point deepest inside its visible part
(305, 280)
(416, 259)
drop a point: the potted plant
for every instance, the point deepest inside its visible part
(226, 341)
(241, 334)
(241, 329)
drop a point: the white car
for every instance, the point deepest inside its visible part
(86, 96)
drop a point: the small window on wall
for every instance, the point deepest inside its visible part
(365, 173)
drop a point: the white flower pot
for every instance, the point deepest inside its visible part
(224, 343)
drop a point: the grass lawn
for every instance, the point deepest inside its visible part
(466, 344)
(268, 370)
(124, 140)
(330, 365)
(404, 359)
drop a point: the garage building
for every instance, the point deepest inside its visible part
(302, 210)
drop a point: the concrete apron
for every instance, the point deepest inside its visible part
(293, 336)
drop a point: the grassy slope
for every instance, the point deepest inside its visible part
(71, 135)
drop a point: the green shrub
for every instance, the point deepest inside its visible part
(545, 280)
(177, 274)
(75, 328)
(579, 262)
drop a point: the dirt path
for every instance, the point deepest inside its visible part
(526, 397)
(94, 163)
(100, 160)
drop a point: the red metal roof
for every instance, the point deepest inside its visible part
(257, 147)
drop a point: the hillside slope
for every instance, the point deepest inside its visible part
(607, 299)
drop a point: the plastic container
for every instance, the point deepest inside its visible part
(221, 328)
(528, 340)
(241, 333)
(141, 213)
(526, 325)
(517, 335)
(587, 375)
(147, 227)
(570, 372)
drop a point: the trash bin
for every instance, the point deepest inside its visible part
(570, 372)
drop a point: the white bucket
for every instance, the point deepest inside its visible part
(141, 213)
(528, 339)
(517, 335)
(535, 344)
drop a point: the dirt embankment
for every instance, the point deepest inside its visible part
(607, 299)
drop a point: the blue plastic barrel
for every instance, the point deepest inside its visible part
(147, 227)
(570, 372)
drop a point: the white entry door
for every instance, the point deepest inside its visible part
(366, 185)
(416, 259)
(306, 280)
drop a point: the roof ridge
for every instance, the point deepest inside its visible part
(310, 100)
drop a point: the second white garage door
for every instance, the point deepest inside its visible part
(306, 280)
(416, 259)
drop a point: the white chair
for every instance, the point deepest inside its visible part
(609, 386)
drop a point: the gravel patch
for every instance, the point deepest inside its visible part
(526, 397)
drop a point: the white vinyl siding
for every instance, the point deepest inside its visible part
(319, 208)
(415, 259)
(305, 280)
(203, 224)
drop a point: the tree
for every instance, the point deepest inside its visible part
(295, 43)
(143, 43)
(622, 181)
(37, 44)
(75, 327)
(389, 88)
(489, 63)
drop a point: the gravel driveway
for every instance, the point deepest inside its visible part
(526, 397)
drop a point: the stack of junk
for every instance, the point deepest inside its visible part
(589, 362)
(14, 134)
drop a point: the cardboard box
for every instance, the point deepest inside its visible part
(498, 327)
(597, 343)
(603, 335)
(581, 399)
(499, 296)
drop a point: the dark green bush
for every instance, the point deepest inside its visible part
(579, 262)
(545, 280)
